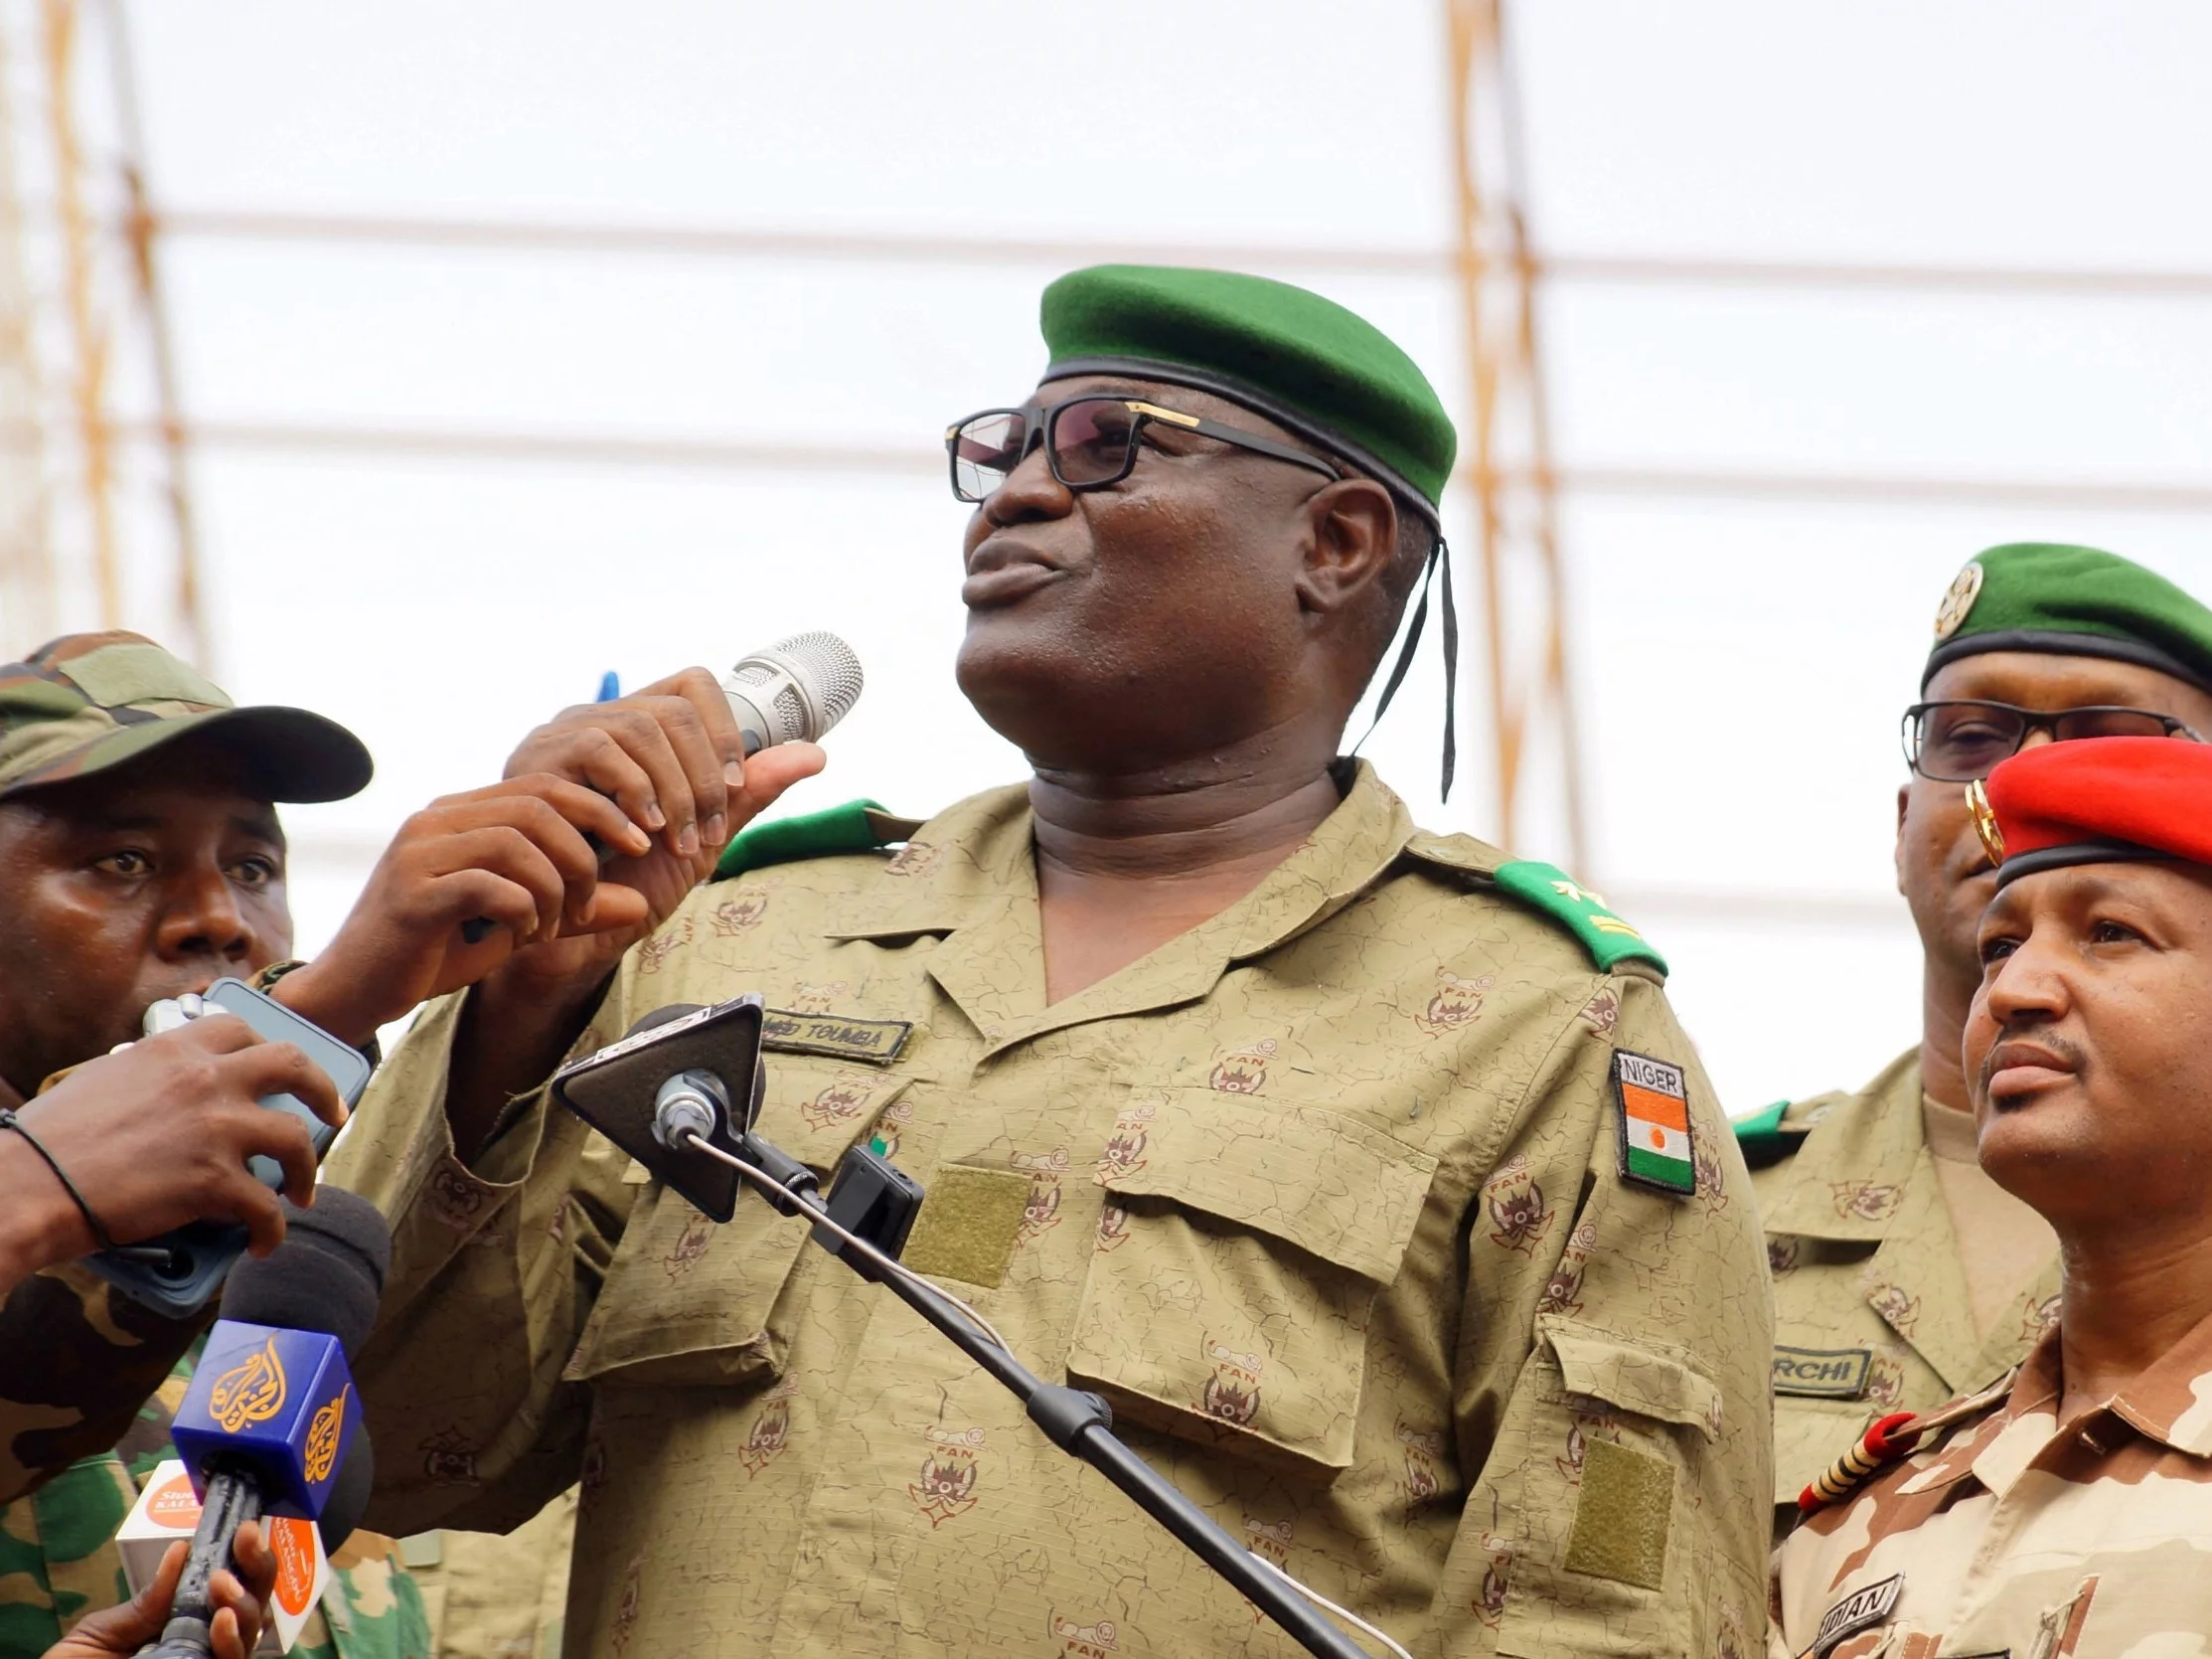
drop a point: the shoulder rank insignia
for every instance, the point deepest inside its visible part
(1897, 1436)
(1654, 1131)
(854, 827)
(1548, 887)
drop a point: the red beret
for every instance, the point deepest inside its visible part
(2098, 801)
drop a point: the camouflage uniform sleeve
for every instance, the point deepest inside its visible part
(1610, 1401)
(498, 1261)
(77, 1358)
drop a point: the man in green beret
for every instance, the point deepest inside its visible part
(1903, 1274)
(1364, 1171)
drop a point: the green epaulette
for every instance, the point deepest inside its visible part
(854, 827)
(1549, 888)
(1763, 1139)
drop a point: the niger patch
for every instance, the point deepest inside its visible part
(1656, 1140)
(839, 1036)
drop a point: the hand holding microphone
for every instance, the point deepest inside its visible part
(606, 817)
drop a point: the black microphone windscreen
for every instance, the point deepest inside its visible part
(327, 1275)
(349, 1493)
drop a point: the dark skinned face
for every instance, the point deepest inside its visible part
(122, 887)
(1940, 868)
(1210, 597)
(2086, 1052)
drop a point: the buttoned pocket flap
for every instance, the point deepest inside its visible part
(1632, 1376)
(1236, 1268)
(1313, 1178)
(690, 1302)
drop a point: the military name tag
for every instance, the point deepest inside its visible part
(1821, 1373)
(838, 1035)
(1862, 1609)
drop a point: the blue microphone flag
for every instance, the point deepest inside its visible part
(280, 1400)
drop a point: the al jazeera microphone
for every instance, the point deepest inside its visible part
(792, 692)
(266, 1424)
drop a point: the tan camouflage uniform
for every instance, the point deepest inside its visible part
(1323, 1195)
(1871, 1310)
(489, 1596)
(59, 1562)
(2009, 1532)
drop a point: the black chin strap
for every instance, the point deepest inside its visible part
(1439, 556)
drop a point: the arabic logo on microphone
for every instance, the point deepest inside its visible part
(250, 1391)
(322, 1439)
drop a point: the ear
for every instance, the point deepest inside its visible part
(1353, 539)
(1897, 853)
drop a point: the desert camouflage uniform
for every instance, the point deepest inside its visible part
(2009, 1532)
(489, 1596)
(59, 1562)
(1324, 1195)
(1870, 1307)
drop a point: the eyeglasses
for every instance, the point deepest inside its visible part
(1960, 742)
(1089, 443)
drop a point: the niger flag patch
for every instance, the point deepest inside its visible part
(1655, 1146)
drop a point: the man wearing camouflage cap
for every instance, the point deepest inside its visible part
(1902, 1272)
(140, 859)
(2068, 1508)
(1364, 1171)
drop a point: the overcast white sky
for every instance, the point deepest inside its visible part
(1740, 666)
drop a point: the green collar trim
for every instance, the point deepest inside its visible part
(1549, 888)
(1762, 1137)
(856, 827)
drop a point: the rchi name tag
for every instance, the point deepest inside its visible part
(839, 1036)
(1821, 1373)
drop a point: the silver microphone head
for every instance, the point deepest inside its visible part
(794, 691)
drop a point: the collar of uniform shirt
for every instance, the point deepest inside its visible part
(1345, 856)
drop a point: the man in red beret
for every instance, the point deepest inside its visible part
(2068, 1507)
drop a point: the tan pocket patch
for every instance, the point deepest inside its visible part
(968, 1224)
(1620, 1521)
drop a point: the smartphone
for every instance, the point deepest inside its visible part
(200, 1253)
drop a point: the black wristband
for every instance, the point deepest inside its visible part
(101, 1236)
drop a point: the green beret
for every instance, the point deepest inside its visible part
(1304, 362)
(2072, 601)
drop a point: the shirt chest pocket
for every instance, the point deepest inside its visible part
(1237, 1263)
(690, 1303)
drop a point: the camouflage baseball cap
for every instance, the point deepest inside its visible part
(87, 702)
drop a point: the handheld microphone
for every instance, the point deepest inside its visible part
(270, 1419)
(681, 1071)
(793, 691)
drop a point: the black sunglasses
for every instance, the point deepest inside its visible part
(1962, 742)
(1089, 443)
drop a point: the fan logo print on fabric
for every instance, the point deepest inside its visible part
(626, 1610)
(1864, 1201)
(1897, 1307)
(947, 1484)
(1498, 1554)
(1125, 1147)
(1656, 1145)
(1085, 1641)
(653, 953)
(1516, 1207)
(772, 1428)
(1243, 1071)
(891, 1126)
(1424, 1449)
(1232, 1392)
(740, 910)
(449, 1459)
(1563, 1290)
(1113, 1228)
(816, 999)
(1042, 1211)
(1458, 1002)
(840, 1101)
(691, 1244)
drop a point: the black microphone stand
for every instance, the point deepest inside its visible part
(1079, 1424)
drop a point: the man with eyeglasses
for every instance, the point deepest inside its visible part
(1903, 1274)
(1364, 1171)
